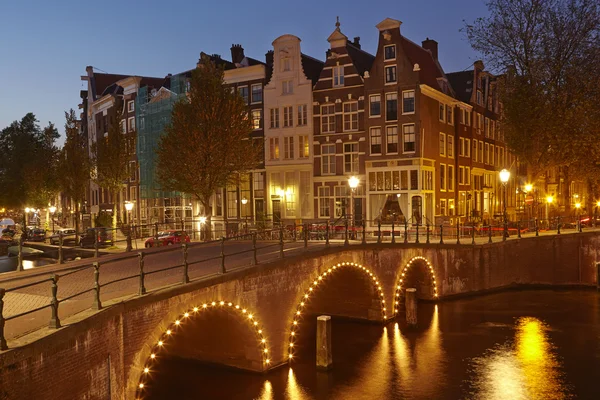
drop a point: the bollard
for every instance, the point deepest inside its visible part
(558, 226)
(281, 241)
(223, 255)
(129, 246)
(393, 235)
(346, 243)
(519, 229)
(441, 233)
(60, 247)
(417, 234)
(458, 233)
(537, 231)
(324, 355)
(96, 305)
(186, 277)
(255, 258)
(305, 236)
(20, 258)
(379, 231)
(490, 233)
(3, 345)
(54, 320)
(364, 229)
(142, 289)
(405, 231)
(327, 234)
(427, 229)
(411, 306)
(473, 234)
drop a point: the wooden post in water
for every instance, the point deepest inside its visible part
(411, 306)
(324, 357)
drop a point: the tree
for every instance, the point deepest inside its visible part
(74, 164)
(111, 157)
(208, 144)
(549, 51)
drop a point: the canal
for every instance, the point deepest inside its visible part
(512, 345)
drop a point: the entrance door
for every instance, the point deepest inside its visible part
(358, 212)
(276, 211)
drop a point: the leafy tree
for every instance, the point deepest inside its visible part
(549, 51)
(74, 164)
(111, 157)
(208, 144)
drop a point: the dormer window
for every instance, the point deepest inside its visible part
(389, 52)
(338, 75)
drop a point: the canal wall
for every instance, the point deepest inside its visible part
(102, 354)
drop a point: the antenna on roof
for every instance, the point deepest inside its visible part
(100, 69)
(337, 22)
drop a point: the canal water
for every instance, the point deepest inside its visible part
(511, 345)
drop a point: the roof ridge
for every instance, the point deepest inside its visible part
(311, 57)
(349, 43)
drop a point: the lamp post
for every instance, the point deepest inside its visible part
(52, 211)
(549, 200)
(353, 182)
(202, 228)
(504, 177)
(129, 207)
(245, 214)
(578, 208)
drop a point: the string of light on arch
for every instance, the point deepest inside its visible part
(401, 280)
(179, 323)
(307, 296)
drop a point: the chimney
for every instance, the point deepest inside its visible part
(356, 42)
(432, 46)
(478, 65)
(269, 57)
(237, 53)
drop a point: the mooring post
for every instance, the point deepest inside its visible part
(411, 306)
(223, 255)
(597, 288)
(186, 277)
(255, 260)
(327, 234)
(142, 289)
(441, 233)
(324, 356)
(54, 320)
(97, 305)
(417, 234)
(473, 234)
(295, 228)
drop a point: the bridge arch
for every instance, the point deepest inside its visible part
(401, 278)
(318, 283)
(168, 335)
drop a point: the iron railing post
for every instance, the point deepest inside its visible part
(281, 241)
(490, 233)
(223, 270)
(405, 231)
(473, 234)
(519, 229)
(427, 230)
(537, 230)
(346, 243)
(255, 258)
(142, 288)
(3, 345)
(558, 226)
(393, 232)
(54, 320)
(379, 231)
(186, 276)
(457, 232)
(417, 234)
(327, 234)
(364, 232)
(60, 247)
(97, 304)
(441, 233)
(306, 233)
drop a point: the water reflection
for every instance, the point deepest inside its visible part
(527, 368)
(293, 391)
(267, 391)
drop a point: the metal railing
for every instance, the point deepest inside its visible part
(246, 250)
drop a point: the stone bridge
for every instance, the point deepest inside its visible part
(250, 318)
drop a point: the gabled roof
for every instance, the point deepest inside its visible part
(361, 59)
(429, 69)
(388, 23)
(103, 81)
(312, 67)
(462, 83)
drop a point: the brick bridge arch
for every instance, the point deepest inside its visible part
(402, 277)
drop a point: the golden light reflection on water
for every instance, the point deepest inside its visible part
(526, 370)
(294, 391)
(267, 391)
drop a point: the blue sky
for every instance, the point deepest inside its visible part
(46, 45)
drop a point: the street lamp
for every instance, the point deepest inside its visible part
(129, 207)
(245, 214)
(578, 208)
(504, 177)
(353, 182)
(52, 211)
(549, 200)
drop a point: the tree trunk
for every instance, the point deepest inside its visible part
(207, 228)
(567, 190)
(77, 222)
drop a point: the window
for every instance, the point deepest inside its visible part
(274, 117)
(288, 147)
(375, 109)
(492, 154)
(288, 116)
(467, 147)
(451, 178)
(391, 133)
(442, 176)
(450, 115)
(243, 91)
(340, 199)
(479, 98)
(338, 75)
(408, 102)
(475, 150)
(442, 113)
(481, 151)
(232, 201)
(414, 179)
(450, 151)
(389, 52)
(123, 126)
(467, 176)
(328, 159)
(288, 87)
(487, 153)
(487, 127)
(375, 140)
(391, 106)
(328, 118)
(257, 119)
(427, 179)
(285, 64)
(273, 148)
(131, 122)
(501, 158)
(463, 116)
(442, 207)
(390, 74)
(257, 93)
(351, 116)
(303, 146)
(132, 171)
(461, 175)
(324, 204)
(351, 158)
(442, 144)
(130, 106)
(132, 195)
(468, 118)
(302, 115)
(461, 147)
(492, 129)
(409, 138)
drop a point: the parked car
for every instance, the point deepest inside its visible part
(168, 238)
(69, 236)
(36, 235)
(93, 235)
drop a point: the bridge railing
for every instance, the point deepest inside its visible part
(82, 287)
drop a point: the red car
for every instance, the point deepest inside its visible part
(168, 238)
